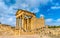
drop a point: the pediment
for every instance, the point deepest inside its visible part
(24, 11)
(18, 12)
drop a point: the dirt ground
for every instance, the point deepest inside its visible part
(31, 36)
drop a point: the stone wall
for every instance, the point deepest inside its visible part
(37, 23)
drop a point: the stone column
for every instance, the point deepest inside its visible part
(23, 22)
(17, 23)
(20, 22)
(28, 25)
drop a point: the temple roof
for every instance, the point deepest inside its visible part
(23, 11)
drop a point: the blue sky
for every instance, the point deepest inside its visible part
(50, 9)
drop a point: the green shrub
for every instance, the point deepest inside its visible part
(54, 26)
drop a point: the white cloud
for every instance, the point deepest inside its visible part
(35, 3)
(55, 7)
(28, 4)
(44, 1)
(4, 13)
(1, 0)
(1, 19)
(49, 20)
(41, 15)
(10, 19)
(23, 5)
(3, 6)
(36, 10)
(58, 20)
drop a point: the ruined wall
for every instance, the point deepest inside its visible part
(37, 23)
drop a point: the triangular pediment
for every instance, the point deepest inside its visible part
(24, 11)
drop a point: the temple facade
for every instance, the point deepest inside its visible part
(27, 21)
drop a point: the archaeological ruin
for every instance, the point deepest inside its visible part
(27, 21)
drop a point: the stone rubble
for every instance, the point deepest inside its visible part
(43, 33)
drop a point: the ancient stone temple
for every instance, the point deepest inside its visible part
(27, 21)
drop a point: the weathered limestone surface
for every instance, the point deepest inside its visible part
(28, 22)
(8, 31)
